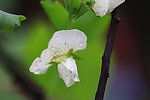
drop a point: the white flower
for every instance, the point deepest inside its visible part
(101, 7)
(60, 48)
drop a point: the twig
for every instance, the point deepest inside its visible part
(107, 55)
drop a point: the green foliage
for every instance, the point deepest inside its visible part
(36, 41)
(72, 7)
(90, 58)
(91, 24)
(62, 18)
(56, 13)
(88, 64)
(9, 21)
(83, 9)
(88, 68)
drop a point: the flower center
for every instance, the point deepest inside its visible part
(62, 57)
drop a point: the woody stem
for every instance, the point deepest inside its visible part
(107, 55)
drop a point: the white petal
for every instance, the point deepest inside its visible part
(101, 7)
(113, 4)
(68, 71)
(38, 67)
(65, 40)
(47, 55)
(41, 64)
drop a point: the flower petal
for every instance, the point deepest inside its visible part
(41, 64)
(113, 4)
(47, 55)
(68, 71)
(101, 7)
(64, 40)
(38, 67)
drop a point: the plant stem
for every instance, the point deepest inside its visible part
(107, 55)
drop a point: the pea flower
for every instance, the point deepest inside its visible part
(101, 7)
(60, 49)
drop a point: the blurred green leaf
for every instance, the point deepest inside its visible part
(37, 40)
(91, 24)
(9, 21)
(88, 65)
(88, 68)
(56, 13)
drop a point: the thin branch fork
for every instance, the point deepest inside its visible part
(107, 55)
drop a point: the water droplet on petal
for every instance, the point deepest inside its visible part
(81, 44)
(57, 38)
(58, 53)
(53, 49)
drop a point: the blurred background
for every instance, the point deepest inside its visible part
(130, 67)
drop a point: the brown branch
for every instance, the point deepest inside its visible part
(107, 55)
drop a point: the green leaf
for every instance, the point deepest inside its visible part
(36, 41)
(9, 21)
(88, 65)
(83, 9)
(72, 6)
(56, 13)
(88, 68)
(91, 24)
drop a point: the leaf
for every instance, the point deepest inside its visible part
(91, 24)
(56, 13)
(83, 9)
(88, 68)
(9, 21)
(36, 41)
(88, 65)
(72, 6)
